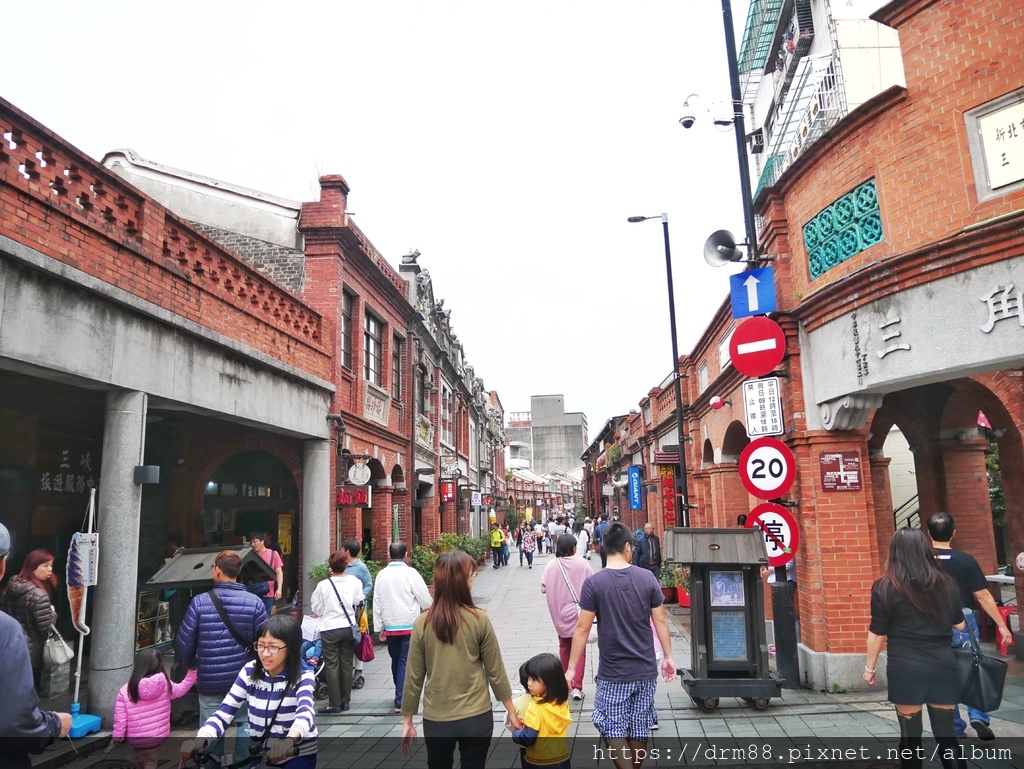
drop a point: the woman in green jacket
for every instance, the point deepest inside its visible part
(453, 655)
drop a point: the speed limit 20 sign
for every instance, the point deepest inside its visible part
(767, 468)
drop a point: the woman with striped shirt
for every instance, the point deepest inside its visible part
(279, 694)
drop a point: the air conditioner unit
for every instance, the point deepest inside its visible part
(756, 140)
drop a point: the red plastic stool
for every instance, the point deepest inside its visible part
(1005, 612)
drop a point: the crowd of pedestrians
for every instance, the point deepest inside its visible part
(249, 672)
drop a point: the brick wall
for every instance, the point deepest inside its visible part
(284, 266)
(63, 204)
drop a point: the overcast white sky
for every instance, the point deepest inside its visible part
(508, 142)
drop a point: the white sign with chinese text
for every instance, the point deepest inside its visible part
(762, 407)
(1002, 138)
(376, 404)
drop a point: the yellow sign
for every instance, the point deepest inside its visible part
(284, 533)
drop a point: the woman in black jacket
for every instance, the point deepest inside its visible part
(29, 599)
(916, 606)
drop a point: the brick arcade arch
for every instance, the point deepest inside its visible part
(940, 422)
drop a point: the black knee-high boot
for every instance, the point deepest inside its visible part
(949, 748)
(911, 750)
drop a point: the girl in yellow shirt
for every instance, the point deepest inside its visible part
(547, 718)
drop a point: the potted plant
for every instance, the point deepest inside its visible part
(683, 587)
(669, 581)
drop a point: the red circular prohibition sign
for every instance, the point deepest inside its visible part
(777, 524)
(767, 468)
(757, 346)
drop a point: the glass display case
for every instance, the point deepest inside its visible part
(153, 620)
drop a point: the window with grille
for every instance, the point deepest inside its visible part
(396, 368)
(373, 350)
(446, 415)
(346, 329)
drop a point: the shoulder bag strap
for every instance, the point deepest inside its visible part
(224, 618)
(338, 596)
(262, 740)
(567, 584)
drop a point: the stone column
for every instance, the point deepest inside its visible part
(118, 515)
(316, 510)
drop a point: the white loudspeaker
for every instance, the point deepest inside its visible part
(721, 249)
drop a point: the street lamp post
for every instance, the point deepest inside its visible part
(682, 495)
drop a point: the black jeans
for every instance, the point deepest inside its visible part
(472, 735)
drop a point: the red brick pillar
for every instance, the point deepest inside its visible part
(430, 522)
(380, 519)
(931, 484)
(838, 545)
(884, 521)
(349, 527)
(968, 500)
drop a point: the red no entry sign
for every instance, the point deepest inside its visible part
(778, 526)
(757, 346)
(767, 468)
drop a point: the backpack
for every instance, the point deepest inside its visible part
(639, 543)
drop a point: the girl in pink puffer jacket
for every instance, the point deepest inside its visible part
(142, 712)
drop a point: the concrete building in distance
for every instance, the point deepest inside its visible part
(546, 438)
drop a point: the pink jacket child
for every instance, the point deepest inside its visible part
(146, 720)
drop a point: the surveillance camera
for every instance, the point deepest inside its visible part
(687, 120)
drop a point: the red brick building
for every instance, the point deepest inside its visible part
(899, 262)
(129, 338)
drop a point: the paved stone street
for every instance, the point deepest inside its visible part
(367, 736)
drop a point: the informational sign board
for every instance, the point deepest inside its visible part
(476, 499)
(767, 468)
(840, 471)
(762, 407)
(447, 491)
(636, 499)
(757, 346)
(752, 292)
(668, 494)
(779, 528)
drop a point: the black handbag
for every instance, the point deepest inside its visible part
(981, 677)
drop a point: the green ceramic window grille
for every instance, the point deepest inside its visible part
(850, 225)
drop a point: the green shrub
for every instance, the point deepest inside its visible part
(423, 560)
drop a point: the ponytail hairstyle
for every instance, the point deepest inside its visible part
(148, 662)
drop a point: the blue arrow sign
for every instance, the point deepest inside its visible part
(753, 292)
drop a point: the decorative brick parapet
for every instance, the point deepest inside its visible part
(62, 203)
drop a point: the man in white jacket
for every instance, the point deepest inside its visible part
(399, 595)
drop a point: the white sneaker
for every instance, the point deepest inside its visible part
(577, 694)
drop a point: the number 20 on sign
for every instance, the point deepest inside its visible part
(767, 468)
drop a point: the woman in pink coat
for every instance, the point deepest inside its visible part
(142, 712)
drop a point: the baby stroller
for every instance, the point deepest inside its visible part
(313, 655)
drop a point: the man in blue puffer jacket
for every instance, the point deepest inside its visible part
(206, 643)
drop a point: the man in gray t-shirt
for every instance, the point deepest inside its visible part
(626, 599)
